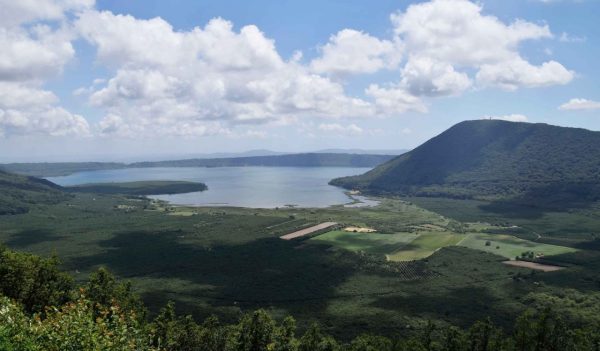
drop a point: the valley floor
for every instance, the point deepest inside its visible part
(429, 259)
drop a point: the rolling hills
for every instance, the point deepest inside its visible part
(538, 164)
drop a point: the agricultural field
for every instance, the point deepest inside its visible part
(373, 243)
(510, 246)
(425, 245)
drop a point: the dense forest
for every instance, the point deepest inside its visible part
(492, 159)
(42, 309)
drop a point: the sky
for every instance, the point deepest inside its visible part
(131, 79)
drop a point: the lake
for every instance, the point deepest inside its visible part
(257, 187)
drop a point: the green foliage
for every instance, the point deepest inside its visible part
(104, 322)
(536, 164)
(315, 340)
(33, 281)
(104, 291)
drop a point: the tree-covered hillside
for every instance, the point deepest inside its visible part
(18, 193)
(494, 159)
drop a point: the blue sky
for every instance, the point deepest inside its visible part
(149, 79)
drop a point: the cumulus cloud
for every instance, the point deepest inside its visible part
(454, 34)
(351, 52)
(515, 117)
(31, 53)
(424, 76)
(167, 80)
(393, 100)
(18, 12)
(25, 110)
(213, 78)
(580, 104)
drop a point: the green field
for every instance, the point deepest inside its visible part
(366, 242)
(510, 246)
(425, 245)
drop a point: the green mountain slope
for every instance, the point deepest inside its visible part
(18, 193)
(492, 159)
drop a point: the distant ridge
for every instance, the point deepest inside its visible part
(492, 159)
(291, 160)
(315, 159)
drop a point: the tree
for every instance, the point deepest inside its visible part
(255, 332)
(104, 290)
(285, 336)
(33, 281)
(315, 340)
(370, 343)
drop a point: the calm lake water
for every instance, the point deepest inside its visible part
(258, 187)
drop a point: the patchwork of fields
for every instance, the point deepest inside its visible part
(411, 246)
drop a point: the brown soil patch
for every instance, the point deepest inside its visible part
(308, 231)
(359, 230)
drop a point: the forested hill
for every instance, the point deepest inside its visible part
(292, 160)
(18, 193)
(494, 159)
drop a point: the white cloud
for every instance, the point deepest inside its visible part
(351, 52)
(16, 12)
(25, 110)
(424, 76)
(166, 80)
(454, 34)
(31, 53)
(394, 100)
(213, 79)
(511, 118)
(580, 104)
(517, 73)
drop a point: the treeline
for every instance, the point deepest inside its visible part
(42, 309)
